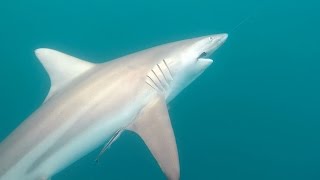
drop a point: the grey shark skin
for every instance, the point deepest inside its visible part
(89, 103)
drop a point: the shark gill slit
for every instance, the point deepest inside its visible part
(151, 86)
(167, 82)
(163, 86)
(158, 88)
(168, 68)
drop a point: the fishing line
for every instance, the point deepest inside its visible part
(241, 23)
(254, 12)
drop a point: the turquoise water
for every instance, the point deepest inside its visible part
(253, 115)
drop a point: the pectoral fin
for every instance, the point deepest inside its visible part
(154, 127)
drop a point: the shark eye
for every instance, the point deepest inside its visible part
(202, 55)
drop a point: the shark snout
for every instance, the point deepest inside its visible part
(222, 37)
(213, 42)
(218, 39)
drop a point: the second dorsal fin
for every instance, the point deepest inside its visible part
(62, 68)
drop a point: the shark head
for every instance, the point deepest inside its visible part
(188, 59)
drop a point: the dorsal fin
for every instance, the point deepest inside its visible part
(153, 125)
(62, 68)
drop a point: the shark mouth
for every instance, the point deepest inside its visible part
(215, 43)
(204, 57)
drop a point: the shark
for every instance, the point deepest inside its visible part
(90, 103)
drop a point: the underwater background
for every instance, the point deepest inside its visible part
(254, 114)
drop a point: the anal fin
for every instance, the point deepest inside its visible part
(153, 125)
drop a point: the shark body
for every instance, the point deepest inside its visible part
(89, 103)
